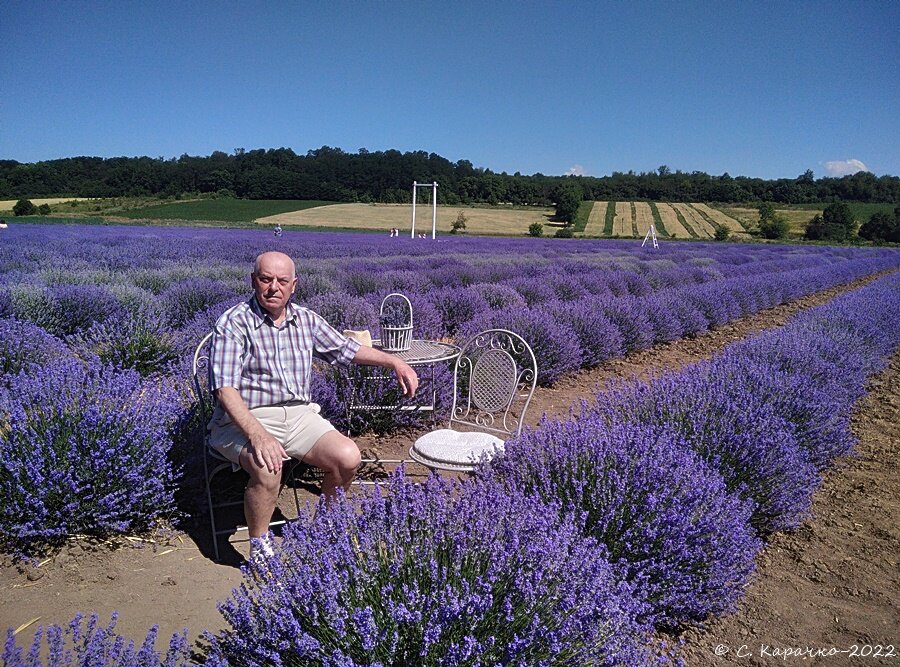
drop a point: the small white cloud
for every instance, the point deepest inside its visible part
(576, 170)
(844, 167)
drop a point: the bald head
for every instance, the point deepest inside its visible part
(275, 261)
(274, 279)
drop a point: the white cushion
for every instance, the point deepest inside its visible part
(455, 449)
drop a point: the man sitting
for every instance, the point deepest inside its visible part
(261, 363)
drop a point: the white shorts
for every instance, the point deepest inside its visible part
(297, 426)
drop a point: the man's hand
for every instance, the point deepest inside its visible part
(407, 378)
(267, 452)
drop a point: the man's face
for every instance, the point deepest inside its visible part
(274, 284)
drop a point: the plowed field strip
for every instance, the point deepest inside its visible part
(596, 218)
(622, 225)
(695, 220)
(672, 223)
(720, 218)
(643, 217)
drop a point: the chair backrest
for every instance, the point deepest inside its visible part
(493, 382)
(200, 378)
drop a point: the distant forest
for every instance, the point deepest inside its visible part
(331, 174)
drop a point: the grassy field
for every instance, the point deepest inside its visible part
(382, 217)
(796, 218)
(223, 210)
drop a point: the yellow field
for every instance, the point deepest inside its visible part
(7, 204)
(702, 228)
(596, 219)
(643, 216)
(382, 217)
(671, 222)
(622, 222)
(726, 221)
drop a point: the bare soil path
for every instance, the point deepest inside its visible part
(841, 564)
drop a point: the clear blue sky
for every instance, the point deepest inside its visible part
(767, 89)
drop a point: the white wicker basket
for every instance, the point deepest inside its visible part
(396, 338)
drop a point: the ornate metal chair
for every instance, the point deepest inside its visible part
(493, 382)
(213, 462)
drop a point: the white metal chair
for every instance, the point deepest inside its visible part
(493, 382)
(213, 462)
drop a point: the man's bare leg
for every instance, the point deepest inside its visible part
(260, 496)
(338, 456)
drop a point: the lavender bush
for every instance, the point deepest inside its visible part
(23, 345)
(143, 342)
(88, 644)
(433, 574)
(82, 451)
(554, 343)
(751, 446)
(661, 513)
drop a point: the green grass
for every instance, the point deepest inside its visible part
(610, 218)
(581, 216)
(221, 210)
(657, 221)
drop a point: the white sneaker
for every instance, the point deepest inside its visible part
(261, 550)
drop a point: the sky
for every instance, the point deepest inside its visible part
(761, 89)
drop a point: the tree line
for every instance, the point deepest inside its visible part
(332, 174)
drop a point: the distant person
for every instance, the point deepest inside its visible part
(277, 231)
(260, 372)
(3, 224)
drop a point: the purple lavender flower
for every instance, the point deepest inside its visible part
(88, 643)
(83, 451)
(23, 344)
(434, 574)
(663, 515)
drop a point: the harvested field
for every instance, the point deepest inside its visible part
(596, 219)
(622, 224)
(720, 218)
(671, 222)
(695, 220)
(7, 204)
(382, 217)
(643, 217)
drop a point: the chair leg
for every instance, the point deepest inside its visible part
(212, 513)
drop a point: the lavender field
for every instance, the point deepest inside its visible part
(575, 547)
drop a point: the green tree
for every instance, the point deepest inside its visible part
(24, 207)
(772, 225)
(568, 199)
(835, 224)
(459, 225)
(882, 227)
(535, 229)
(722, 233)
(44, 209)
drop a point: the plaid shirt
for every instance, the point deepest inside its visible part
(271, 364)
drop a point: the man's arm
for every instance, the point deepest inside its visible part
(406, 376)
(266, 450)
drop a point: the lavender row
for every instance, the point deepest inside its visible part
(680, 477)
